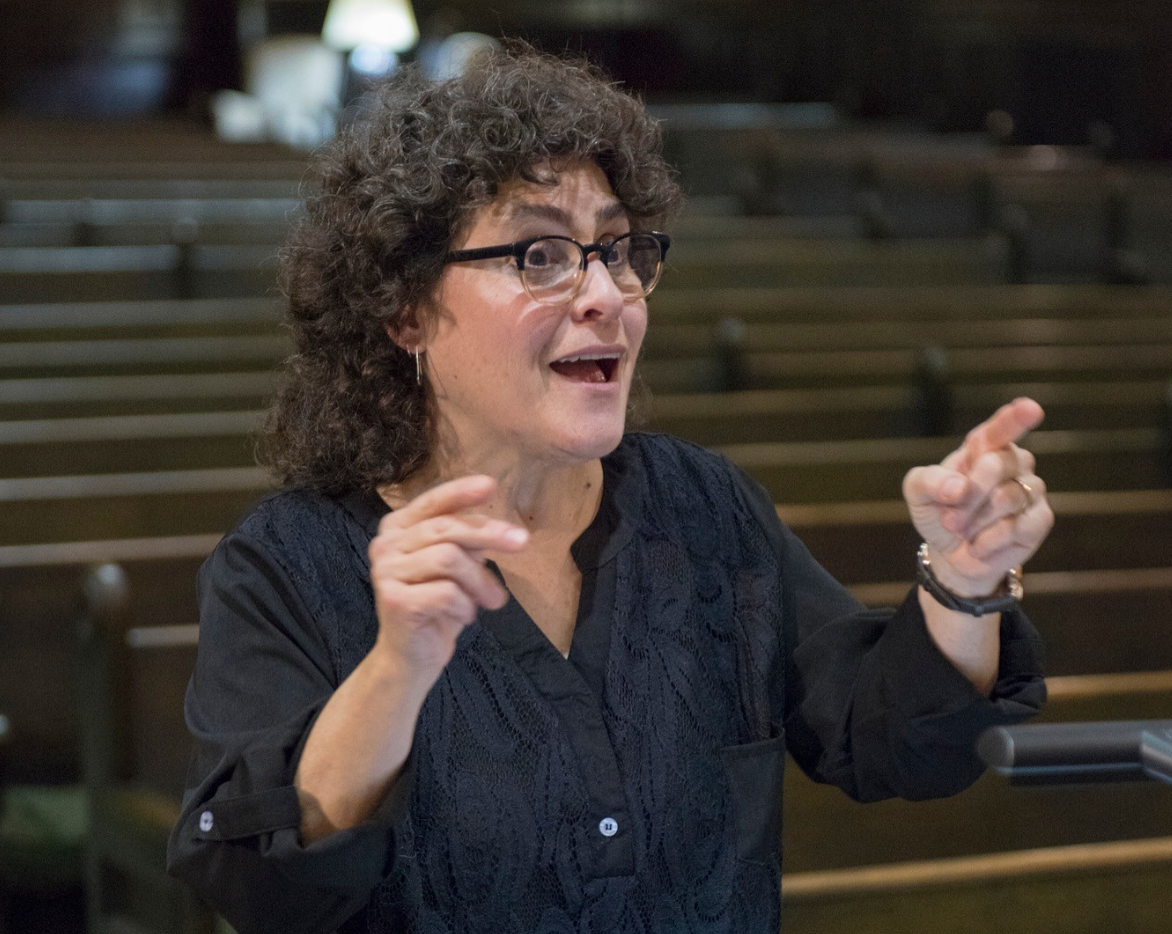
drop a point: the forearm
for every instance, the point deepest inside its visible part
(972, 644)
(357, 746)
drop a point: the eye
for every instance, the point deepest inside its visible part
(616, 256)
(541, 254)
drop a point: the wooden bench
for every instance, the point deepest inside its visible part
(110, 273)
(38, 611)
(828, 471)
(903, 302)
(145, 356)
(182, 318)
(862, 542)
(73, 396)
(131, 701)
(1116, 886)
(127, 443)
(36, 510)
(1100, 621)
(824, 829)
(890, 411)
(831, 369)
(146, 233)
(665, 340)
(833, 262)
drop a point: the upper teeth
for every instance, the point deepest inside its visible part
(589, 356)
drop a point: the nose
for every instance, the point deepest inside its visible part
(599, 298)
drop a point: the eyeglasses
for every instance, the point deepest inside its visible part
(553, 268)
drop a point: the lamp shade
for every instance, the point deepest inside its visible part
(389, 24)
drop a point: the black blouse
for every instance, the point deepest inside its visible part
(634, 786)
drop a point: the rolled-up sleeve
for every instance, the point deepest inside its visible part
(871, 703)
(263, 673)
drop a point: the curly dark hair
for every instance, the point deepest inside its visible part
(387, 198)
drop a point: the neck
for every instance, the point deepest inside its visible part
(551, 499)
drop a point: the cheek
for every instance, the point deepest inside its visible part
(636, 327)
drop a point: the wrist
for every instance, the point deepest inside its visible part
(395, 676)
(974, 599)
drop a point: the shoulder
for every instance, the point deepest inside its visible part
(298, 559)
(307, 534)
(698, 486)
(292, 516)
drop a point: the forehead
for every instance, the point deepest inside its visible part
(580, 194)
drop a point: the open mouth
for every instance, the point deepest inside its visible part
(588, 368)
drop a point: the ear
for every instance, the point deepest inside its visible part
(408, 332)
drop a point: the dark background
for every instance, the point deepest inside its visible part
(1058, 66)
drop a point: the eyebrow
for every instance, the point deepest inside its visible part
(610, 212)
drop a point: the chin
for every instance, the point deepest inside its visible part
(587, 442)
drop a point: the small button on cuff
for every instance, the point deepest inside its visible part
(206, 821)
(608, 826)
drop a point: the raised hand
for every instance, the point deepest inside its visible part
(982, 510)
(427, 570)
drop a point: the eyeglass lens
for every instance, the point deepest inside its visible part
(553, 267)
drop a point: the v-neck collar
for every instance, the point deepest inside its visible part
(607, 534)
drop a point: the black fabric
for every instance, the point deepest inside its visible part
(632, 786)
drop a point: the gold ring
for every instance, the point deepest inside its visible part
(1029, 495)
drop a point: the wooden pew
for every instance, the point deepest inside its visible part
(1095, 622)
(830, 369)
(96, 396)
(827, 471)
(689, 340)
(125, 443)
(861, 542)
(1058, 223)
(833, 262)
(701, 373)
(145, 233)
(144, 356)
(710, 419)
(36, 510)
(793, 472)
(1116, 886)
(889, 411)
(130, 697)
(903, 302)
(93, 273)
(37, 196)
(38, 610)
(132, 141)
(824, 829)
(1100, 621)
(183, 318)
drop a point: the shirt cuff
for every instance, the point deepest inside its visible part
(923, 682)
(356, 857)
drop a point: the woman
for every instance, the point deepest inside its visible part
(491, 664)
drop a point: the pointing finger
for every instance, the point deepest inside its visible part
(1007, 425)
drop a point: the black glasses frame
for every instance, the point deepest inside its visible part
(604, 250)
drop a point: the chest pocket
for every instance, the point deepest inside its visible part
(755, 773)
